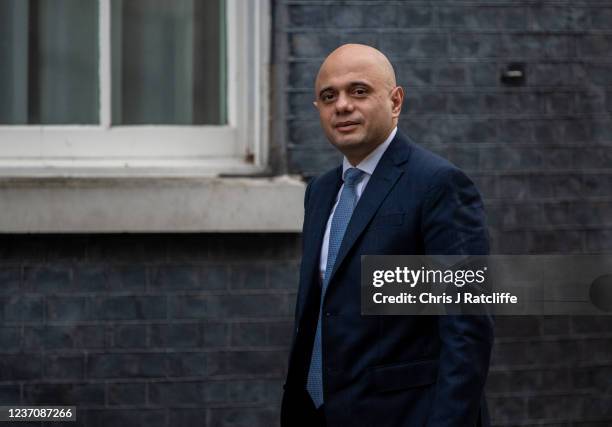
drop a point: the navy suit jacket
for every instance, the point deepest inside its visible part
(391, 371)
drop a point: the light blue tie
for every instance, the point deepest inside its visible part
(342, 215)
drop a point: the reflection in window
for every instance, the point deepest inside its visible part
(168, 60)
(49, 62)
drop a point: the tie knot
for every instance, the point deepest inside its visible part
(352, 176)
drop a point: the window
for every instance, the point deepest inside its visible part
(132, 87)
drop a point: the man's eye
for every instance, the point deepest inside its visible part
(327, 97)
(359, 91)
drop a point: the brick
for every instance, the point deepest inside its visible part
(66, 337)
(63, 367)
(9, 279)
(249, 334)
(283, 275)
(300, 104)
(10, 339)
(600, 18)
(598, 45)
(188, 307)
(248, 276)
(247, 363)
(557, 241)
(558, 74)
(188, 364)
(598, 241)
(176, 335)
(592, 377)
(414, 17)
(258, 391)
(550, 18)
(175, 277)
(63, 394)
(216, 334)
(411, 74)
(230, 417)
(67, 308)
(590, 100)
(426, 45)
(554, 406)
(48, 278)
(451, 75)
(187, 417)
(126, 417)
(382, 15)
(599, 74)
(558, 186)
(127, 278)
(91, 278)
(312, 45)
(483, 73)
(474, 45)
(347, 17)
(307, 133)
(365, 36)
(232, 306)
(597, 185)
(516, 326)
(10, 394)
(537, 353)
(128, 307)
(23, 308)
(504, 410)
(130, 336)
(126, 365)
(591, 324)
(175, 393)
(302, 74)
(280, 333)
(126, 393)
(529, 381)
(21, 366)
(307, 16)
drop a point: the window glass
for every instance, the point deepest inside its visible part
(168, 62)
(49, 62)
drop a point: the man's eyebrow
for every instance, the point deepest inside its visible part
(350, 84)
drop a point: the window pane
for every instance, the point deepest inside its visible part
(168, 62)
(48, 62)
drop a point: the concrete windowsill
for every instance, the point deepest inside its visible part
(147, 204)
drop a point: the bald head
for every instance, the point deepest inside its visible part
(348, 56)
(358, 100)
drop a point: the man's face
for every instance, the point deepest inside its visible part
(358, 105)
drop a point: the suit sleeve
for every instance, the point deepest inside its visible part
(453, 223)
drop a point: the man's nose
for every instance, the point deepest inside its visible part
(343, 103)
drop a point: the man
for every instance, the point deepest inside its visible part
(388, 197)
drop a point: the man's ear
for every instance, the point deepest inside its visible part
(397, 98)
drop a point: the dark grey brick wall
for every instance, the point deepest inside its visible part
(164, 330)
(540, 153)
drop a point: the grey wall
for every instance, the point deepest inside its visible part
(175, 330)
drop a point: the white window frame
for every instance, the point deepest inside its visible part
(239, 147)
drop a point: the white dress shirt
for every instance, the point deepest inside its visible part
(367, 165)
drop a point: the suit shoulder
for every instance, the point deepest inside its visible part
(325, 179)
(429, 165)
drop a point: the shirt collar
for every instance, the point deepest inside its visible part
(371, 161)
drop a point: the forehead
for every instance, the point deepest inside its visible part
(342, 71)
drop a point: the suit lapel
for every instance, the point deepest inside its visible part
(323, 198)
(381, 182)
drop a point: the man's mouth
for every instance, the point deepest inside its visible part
(346, 126)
